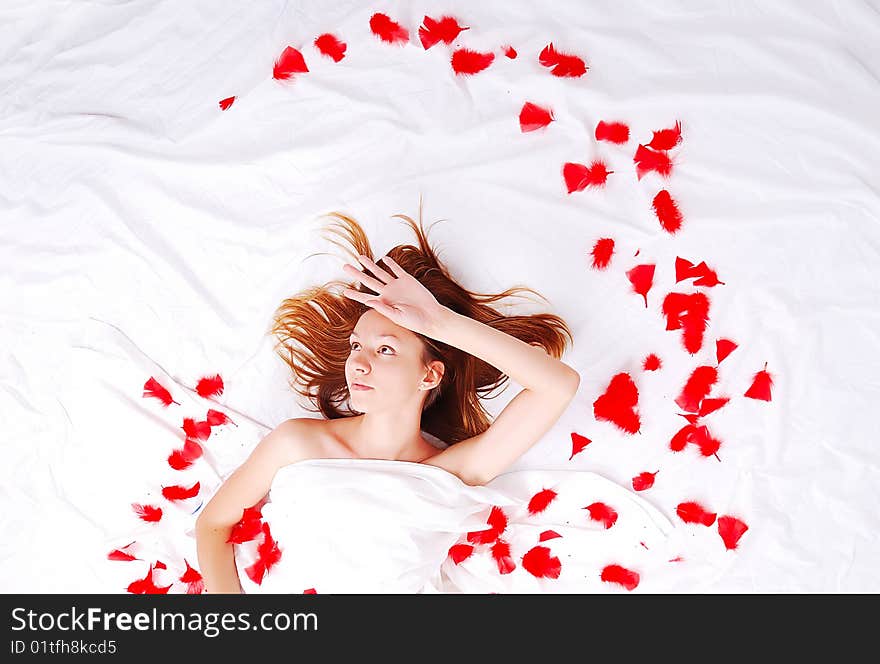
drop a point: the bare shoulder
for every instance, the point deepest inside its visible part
(310, 438)
(452, 460)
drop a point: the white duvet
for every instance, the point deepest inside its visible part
(382, 526)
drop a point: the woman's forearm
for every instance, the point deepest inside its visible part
(528, 365)
(217, 559)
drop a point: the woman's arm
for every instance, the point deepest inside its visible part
(246, 486)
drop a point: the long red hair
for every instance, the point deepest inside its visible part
(313, 328)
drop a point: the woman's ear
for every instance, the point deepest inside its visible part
(436, 369)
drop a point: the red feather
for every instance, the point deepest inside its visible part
(248, 527)
(465, 61)
(578, 176)
(648, 160)
(651, 363)
(290, 62)
(705, 276)
(629, 579)
(501, 554)
(387, 30)
(578, 443)
(119, 554)
(641, 277)
(667, 211)
(761, 383)
(602, 512)
(707, 444)
(210, 386)
(177, 492)
(147, 512)
(460, 552)
(268, 554)
(146, 586)
(682, 437)
(195, 585)
(696, 388)
(693, 512)
(723, 348)
(216, 418)
(683, 269)
(533, 117)
(612, 132)
(643, 481)
(689, 312)
(618, 404)
(445, 30)
(602, 252)
(330, 46)
(178, 460)
(196, 430)
(226, 103)
(310, 591)
(562, 64)
(731, 529)
(538, 562)
(152, 388)
(666, 139)
(548, 534)
(710, 405)
(510, 52)
(497, 521)
(541, 500)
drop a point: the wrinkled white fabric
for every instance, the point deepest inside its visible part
(384, 526)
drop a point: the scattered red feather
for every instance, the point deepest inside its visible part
(497, 521)
(387, 30)
(690, 312)
(510, 52)
(195, 585)
(641, 277)
(731, 529)
(210, 386)
(696, 388)
(651, 363)
(540, 501)
(578, 176)
(578, 443)
(723, 348)
(120, 554)
(216, 418)
(667, 211)
(146, 586)
(602, 512)
(460, 552)
(310, 591)
(290, 62)
(147, 512)
(445, 30)
(533, 117)
(248, 527)
(648, 160)
(196, 430)
(627, 578)
(226, 103)
(612, 132)
(548, 534)
(693, 512)
(666, 139)
(268, 554)
(760, 387)
(707, 444)
(177, 492)
(152, 388)
(618, 404)
(501, 555)
(538, 562)
(466, 62)
(602, 252)
(330, 46)
(643, 481)
(711, 405)
(562, 64)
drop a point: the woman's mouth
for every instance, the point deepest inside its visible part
(358, 386)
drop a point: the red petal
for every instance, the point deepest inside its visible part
(533, 117)
(602, 512)
(466, 61)
(210, 386)
(330, 46)
(539, 563)
(152, 388)
(618, 574)
(290, 62)
(693, 512)
(731, 529)
(387, 30)
(612, 132)
(541, 500)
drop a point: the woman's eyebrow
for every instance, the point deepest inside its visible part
(381, 336)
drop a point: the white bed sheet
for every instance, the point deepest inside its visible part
(146, 232)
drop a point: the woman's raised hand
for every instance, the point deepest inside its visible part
(401, 297)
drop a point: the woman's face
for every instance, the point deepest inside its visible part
(388, 359)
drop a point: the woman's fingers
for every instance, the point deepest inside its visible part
(365, 279)
(375, 269)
